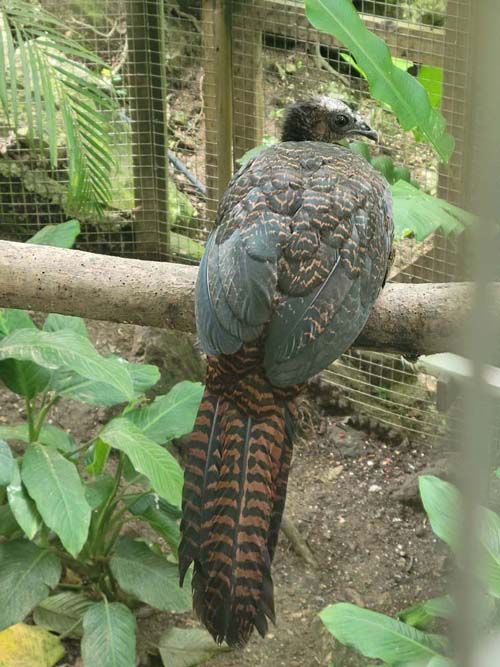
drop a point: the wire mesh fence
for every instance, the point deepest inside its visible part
(201, 82)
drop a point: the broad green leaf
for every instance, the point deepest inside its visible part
(381, 637)
(150, 578)
(108, 636)
(62, 235)
(144, 376)
(68, 350)
(56, 322)
(422, 614)
(24, 645)
(97, 457)
(149, 508)
(22, 377)
(443, 505)
(72, 386)
(8, 523)
(388, 84)
(431, 79)
(98, 490)
(170, 416)
(27, 573)
(55, 486)
(147, 457)
(12, 319)
(49, 435)
(22, 506)
(421, 214)
(7, 464)
(59, 613)
(187, 647)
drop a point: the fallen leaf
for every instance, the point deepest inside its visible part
(24, 645)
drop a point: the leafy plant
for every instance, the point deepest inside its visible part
(406, 642)
(63, 503)
(50, 91)
(388, 83)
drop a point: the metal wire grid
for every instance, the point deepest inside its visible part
(297, 62)
(165, 64)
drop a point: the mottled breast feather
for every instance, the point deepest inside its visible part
(299, 256)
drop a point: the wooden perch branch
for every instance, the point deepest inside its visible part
(409, 319)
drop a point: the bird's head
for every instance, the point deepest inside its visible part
(324, 119)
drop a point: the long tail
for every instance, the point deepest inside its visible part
(234, 495)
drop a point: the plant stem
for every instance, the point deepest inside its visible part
(31, 424)
(43, 413)
(108, 505)
(76, 587)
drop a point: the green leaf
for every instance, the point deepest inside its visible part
(388, 84)
(187, 647)
(147, 457)
(149, 508)
(97, 457)
(419, 213)
(12, 319)
(170, 416)
(49, 435)
(378, 636)
(144, 376)
(55, 486)
(22, 377)
(74, 387)
(443, 505)
(22, 506)
(56, 322)
(149, 577)
(431, 79)
(422, 614)
(59, 613)
(62, 235)
(67, 350)
(7, 464)
(98, 491)
(8, 523)
(27, 573)
(108, 636)
(185, 246)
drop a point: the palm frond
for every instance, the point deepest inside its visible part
(50, 85)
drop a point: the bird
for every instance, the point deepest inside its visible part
(288, 278)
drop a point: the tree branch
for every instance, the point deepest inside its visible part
(409, 319)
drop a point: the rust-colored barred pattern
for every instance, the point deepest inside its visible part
(286, 284)
(234, 494)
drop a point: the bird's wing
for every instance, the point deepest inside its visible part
(237, 278)
(331, 269)
(299, 257)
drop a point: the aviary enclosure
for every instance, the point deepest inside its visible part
(189, 90)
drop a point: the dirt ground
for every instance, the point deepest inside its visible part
(370, 547)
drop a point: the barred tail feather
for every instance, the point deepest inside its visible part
(234, 496)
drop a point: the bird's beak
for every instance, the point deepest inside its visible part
(361, 127)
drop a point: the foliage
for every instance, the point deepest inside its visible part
(418, 214)
(62, 509)
(50, 87)
(406, 642)
(388, 83)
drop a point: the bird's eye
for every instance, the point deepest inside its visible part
(341, 120)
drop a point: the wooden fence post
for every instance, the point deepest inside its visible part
(248, 105)
(147, 86)
(456, 101)
(218, 98)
